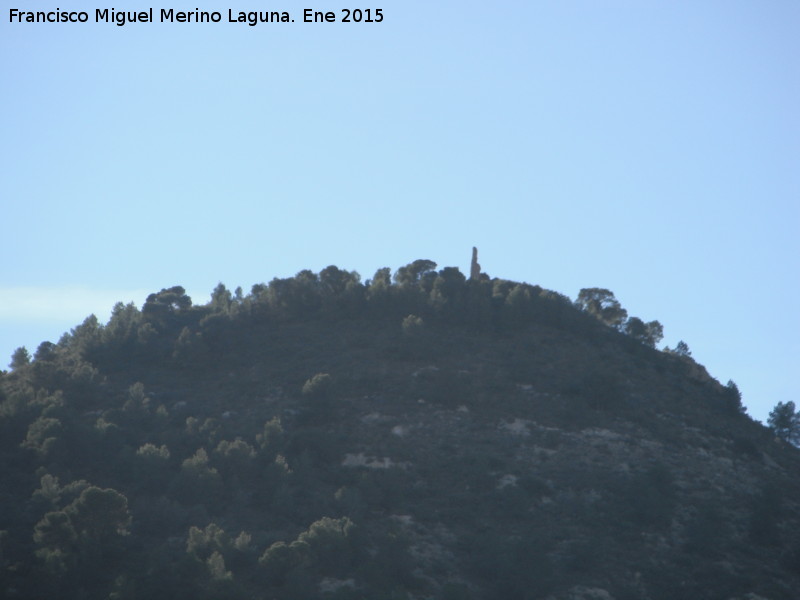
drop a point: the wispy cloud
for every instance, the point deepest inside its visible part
(72, 303)
(32, 314)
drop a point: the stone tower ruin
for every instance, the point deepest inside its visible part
(475, 268)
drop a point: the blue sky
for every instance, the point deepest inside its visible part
(649, 148)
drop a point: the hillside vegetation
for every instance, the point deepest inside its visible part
(415, 436)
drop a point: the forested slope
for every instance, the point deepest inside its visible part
(415, 436)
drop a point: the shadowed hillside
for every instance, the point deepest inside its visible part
(420, 435)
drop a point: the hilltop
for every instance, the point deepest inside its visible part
(416, 435)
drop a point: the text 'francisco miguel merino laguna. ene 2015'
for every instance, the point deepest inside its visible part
(164, 15)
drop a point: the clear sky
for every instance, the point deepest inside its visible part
(649, 148)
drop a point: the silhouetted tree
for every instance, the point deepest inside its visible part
(381, 280)
(43, 434)
(333, 280)
(413, 273)
(682, 349)
(198, 483)
(785, 422)
(734, 396)
(448, 290)
(412, 326)
(45, 351)
(221, 299)
(271, 436)
(647, 333)
(122, 326)
(330, 543)
(166, 303)
(99, 514)
(216, 567)
(86, 337)
(20, 358)
(56, 537)
(602, 304)
(202, 543)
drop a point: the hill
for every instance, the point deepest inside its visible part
(417, 436)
